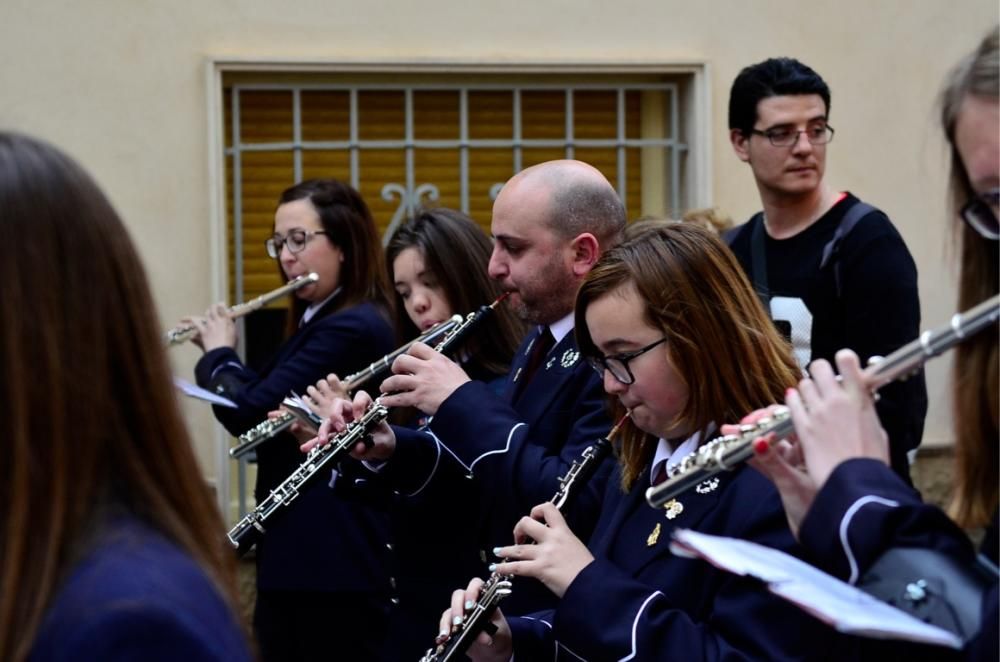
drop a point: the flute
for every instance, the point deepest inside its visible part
(252, 527)
(497, 586)
(726, 452)
(184, 332)
(271, 427)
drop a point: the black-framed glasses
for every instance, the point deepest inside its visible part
(617, 364)
(820, 134)
(981, 214)
(296, 240)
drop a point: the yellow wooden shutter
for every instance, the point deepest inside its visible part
(266, 116)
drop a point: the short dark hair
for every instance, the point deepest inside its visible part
(773, 77)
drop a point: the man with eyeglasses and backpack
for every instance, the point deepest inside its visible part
(832, 271)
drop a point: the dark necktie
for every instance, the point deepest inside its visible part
(660, 474)
(543, 343)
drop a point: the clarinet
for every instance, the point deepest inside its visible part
(271, 427)
(497, 586)
(726, 452)
(249, 530)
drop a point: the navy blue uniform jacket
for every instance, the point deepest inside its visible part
(863, 510)
(349, 537)
(515, 451)
(637, 601)
(137, 596)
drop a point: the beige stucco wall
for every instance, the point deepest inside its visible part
(123, 86)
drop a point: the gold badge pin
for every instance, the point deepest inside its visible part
(673, 508)
(654, 536)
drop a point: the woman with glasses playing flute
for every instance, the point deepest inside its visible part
(339, 324)
(438, 265)
(843, 502)
(671, 323)
(110, 540)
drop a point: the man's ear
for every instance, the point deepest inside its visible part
(740, 145)
(585, 251)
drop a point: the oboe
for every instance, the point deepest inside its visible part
(184, 332)
(251, 528)
(497, 586)
(271, 427)
(726, 452)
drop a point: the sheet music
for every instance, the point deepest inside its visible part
(195, 391)
(840, 605)
(298, 408)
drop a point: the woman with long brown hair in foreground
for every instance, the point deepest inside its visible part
(111, 545)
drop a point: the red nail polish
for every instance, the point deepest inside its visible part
(760, 446)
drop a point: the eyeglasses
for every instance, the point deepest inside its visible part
(296, 241)
(617, 364)
(820, 134)
(980, 213)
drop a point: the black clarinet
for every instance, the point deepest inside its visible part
(249, 530)
(497, 586)
(270, 428)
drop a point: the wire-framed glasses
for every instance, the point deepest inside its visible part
(819, 134)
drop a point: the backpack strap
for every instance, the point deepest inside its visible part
(831, 252)
(758, 261)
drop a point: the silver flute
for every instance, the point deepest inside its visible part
(728, 451)
(271, 427)
(497, 586)
(184, 332)
(249, 530)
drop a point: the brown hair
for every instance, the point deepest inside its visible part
(710, 218)
(349, 225)
(976, 367)
(90, 420)
(457, 253)
(721, 342)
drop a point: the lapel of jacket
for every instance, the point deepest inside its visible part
(517, 364)
(558, 366)
(694, 505)
(291, 344)
(688, 508)
(626, 503)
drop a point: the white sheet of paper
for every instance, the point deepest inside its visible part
(195, 391)
(842, 606)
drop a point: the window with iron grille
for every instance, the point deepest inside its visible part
(443, 142)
